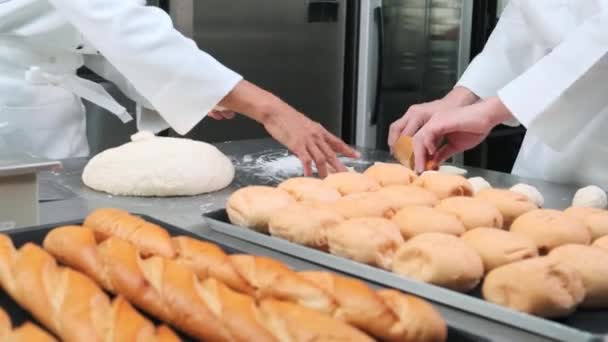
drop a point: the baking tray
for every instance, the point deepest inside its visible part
(587, 326)
(36, 235)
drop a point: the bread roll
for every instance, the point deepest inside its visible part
(252, 206)
(439, 259)
(370, 241)
(538, 286)
(595, 219)
(409, 195)
(351, 182)
(510, 204)
(390, 174)
(304, 225)
(403, 151)
(307, 189)
(27, 332)
(592, 264)
(550, 228)
(601, 243)
(445, 185)
(499, 247)
(364, 204)
(472, 212)
(414, 221)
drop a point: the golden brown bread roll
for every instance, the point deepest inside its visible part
(390, 174)
(592, 264)
(601, 243)
(252, 206)
(439, 259)
(371, 241)
(472, 212)
(351, 182)
(27, 332)
(307, 189)
(538, 286)
(550, 228)
(414, 221)
(151, 238)
(444, 185)
(409, 195)
(304, 225)
(510, 204)
(499, 247)
(595, 219)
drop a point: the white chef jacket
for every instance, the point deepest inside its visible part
(44, 42)
(547, 61)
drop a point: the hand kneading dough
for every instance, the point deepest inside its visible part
(414, 221)
(306, 190)
(351, 182)
(531, 192)
(444, 185)
(439, 259)
(409, 195)
(478, 184)
(304, 225)
(550, 229)
(252, 206)
(371, 241)
(472, 212)
(591, 197)
(158, 166)
(601, 243)
(538, 286)
(592, 264)
(499, 247)
(510, 204)
(390, 174)
(595, 219)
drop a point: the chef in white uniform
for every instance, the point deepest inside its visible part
(544, 66)
(44, 42)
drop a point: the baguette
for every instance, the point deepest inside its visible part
(67, 302)
(27, 332)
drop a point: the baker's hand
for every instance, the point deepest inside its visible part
(309, 141)
(461, 129)
(222, 114)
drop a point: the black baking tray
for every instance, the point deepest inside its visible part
(36, 235)
(587, 326)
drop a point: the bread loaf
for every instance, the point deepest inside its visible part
(414, 221)
(409, 195)
(27, 332)
(307, 189)
(595, 219)
(252, 206)
(499, 247)
(444, 185)
(601, 243)
(510, 204)
(351, 182)
(472, 212)
(390, 174)
(538, 286)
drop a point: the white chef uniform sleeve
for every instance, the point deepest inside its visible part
(563, 92)
(181, 82)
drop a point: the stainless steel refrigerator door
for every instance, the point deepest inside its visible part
(294, 49)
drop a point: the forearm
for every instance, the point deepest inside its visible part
(254, 102)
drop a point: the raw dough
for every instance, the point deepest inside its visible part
(409, 195)
(416, 220)
(601, 243)
(531, 192)
(499, 247)
(478, 184)
(253, 206)
(444, 185)
(351, 182)
(472, 212)
(159, 166)
(390, 174)
(510, 204)
(364, 204)
(306, 190)
(591, 196)
(595, 219)
(452, 170)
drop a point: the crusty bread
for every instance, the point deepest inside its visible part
(409, 195)
(307, 189)
(439, 259)
(390, 174)
(539, 286)
(510, 204)
(414, 221)
(27, 332)
(370, 241)
(601, 243)
(351, 182)
(444, 185)
(551, 228)
(499, 247)
(595, 219)
(252, 206)
(472, 212)
(592, 264)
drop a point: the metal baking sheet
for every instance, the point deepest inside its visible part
(229, 245)
(588, 326)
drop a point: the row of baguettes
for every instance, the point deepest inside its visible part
(197, 288)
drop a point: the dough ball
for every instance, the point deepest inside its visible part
(595, 219)
(365, 204)
(531, 192)
(371, 241)
(444, 185)
(499, 247)
(550, 229)
(510, 204)
(592, 264)
(452, 170)
(409, 195)
(439, 259)
(158, 166)
(478, 184)
(601, 243)
(537, 286)
(351, 182)
(472, 212)
(252, 206)
(591, 197)
(304, 225)
(390, 174)
(306, 190)
(418, 220)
